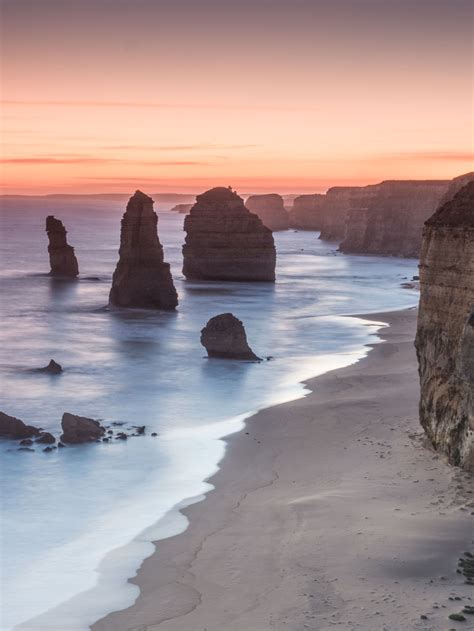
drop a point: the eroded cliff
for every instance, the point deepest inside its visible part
(225, 241)
(270, 209)
(445, 335)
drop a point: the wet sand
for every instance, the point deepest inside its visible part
(328, 512)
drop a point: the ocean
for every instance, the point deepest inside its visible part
(77, 522)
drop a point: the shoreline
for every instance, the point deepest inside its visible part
(225, 573)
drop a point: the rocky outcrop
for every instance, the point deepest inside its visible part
(270, 209)
(387, 219)
(62, 259)
(307, 212)
(182, 209)
(14, 428)
(142, 278)
(46, 438)
(224, 337)
(80, 429)
(338, 202)
(445, 334)
(456, 185)
(225, 241)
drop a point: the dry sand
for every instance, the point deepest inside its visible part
(328, 513)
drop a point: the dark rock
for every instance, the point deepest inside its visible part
(11, 427)
(24, 449)
(142, 278)
(121, 436)
(154, 434)
(46, 438)
(51, 448)
(225, 241)
(224, 337)
(53, 368)
(80, 429)
(62, 259)
(445, 334)
(140, 429)
(61, 446)
(182, 209)
(26, 442)
(270, 209)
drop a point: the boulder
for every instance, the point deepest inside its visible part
(62, 259)
(53, 368)
(225, 241)
(224, 337)
(80, 429)
(270, 209)
(445, 331)
(14, 428)
(142, 278)
(46, 438)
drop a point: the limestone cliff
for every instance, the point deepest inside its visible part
(445, 335)
(270, 209)
(338, 201)
(225, 241)
(141, 278)
(62, 259)
(387, 219)
(307, 212)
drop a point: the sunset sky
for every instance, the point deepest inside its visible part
(264, 95)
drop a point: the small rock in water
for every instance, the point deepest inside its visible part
(11, 427)
(53, 368)
(46, 438)
(224, 337)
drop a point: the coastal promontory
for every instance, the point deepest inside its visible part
(62, 259)
(142, 278)
(225, 241)
(445, 334)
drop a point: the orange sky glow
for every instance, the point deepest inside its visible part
(286, 96)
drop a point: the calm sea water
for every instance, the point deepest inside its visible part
(79, 521)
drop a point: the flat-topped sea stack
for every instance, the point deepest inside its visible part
(445, 335)
(225, 241)
(142, 278)
(224, 337)
(307, 212)
(62, 259)
(387, 219)
(270, 209)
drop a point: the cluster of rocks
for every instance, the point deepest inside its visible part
(75, 430)
(271, 210)
(445, 333)
(225, 241)
(62, 259)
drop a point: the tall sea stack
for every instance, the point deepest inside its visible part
(270, 209)
(225, 241)
(445, 335)
(142, 278)
(62, 259)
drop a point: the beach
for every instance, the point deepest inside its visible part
(328, 512)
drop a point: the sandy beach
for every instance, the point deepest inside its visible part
(328, 512)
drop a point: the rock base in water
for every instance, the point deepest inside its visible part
(14, 428)
(62, 259)
(80, 429)
(53, 368)
(224, 337)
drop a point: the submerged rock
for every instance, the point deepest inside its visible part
(270, 209)
(445, 334)
(224, 337)
(80, 429)
(53, 368)
(11, 427)
(142, 278)
(225, 241)
(62, 259)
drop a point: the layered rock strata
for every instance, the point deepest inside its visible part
(387, 219)
(62, 259)
(142, 278)
(445, 335)
(224, 337)
(225, 241)
(307, 212)
(270, 209)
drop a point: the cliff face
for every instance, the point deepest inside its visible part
(62, 259)
(270, 209)
(387, 219)
(339, 200)
(307, 212)
(225, 241)
(141, 278)
(445, 335)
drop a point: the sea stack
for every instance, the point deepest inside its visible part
(142, 278)
(224, 337)
(62, 259)
(225, 241)
(445, 335)
(270, 209)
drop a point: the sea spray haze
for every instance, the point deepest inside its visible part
(72, 508)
